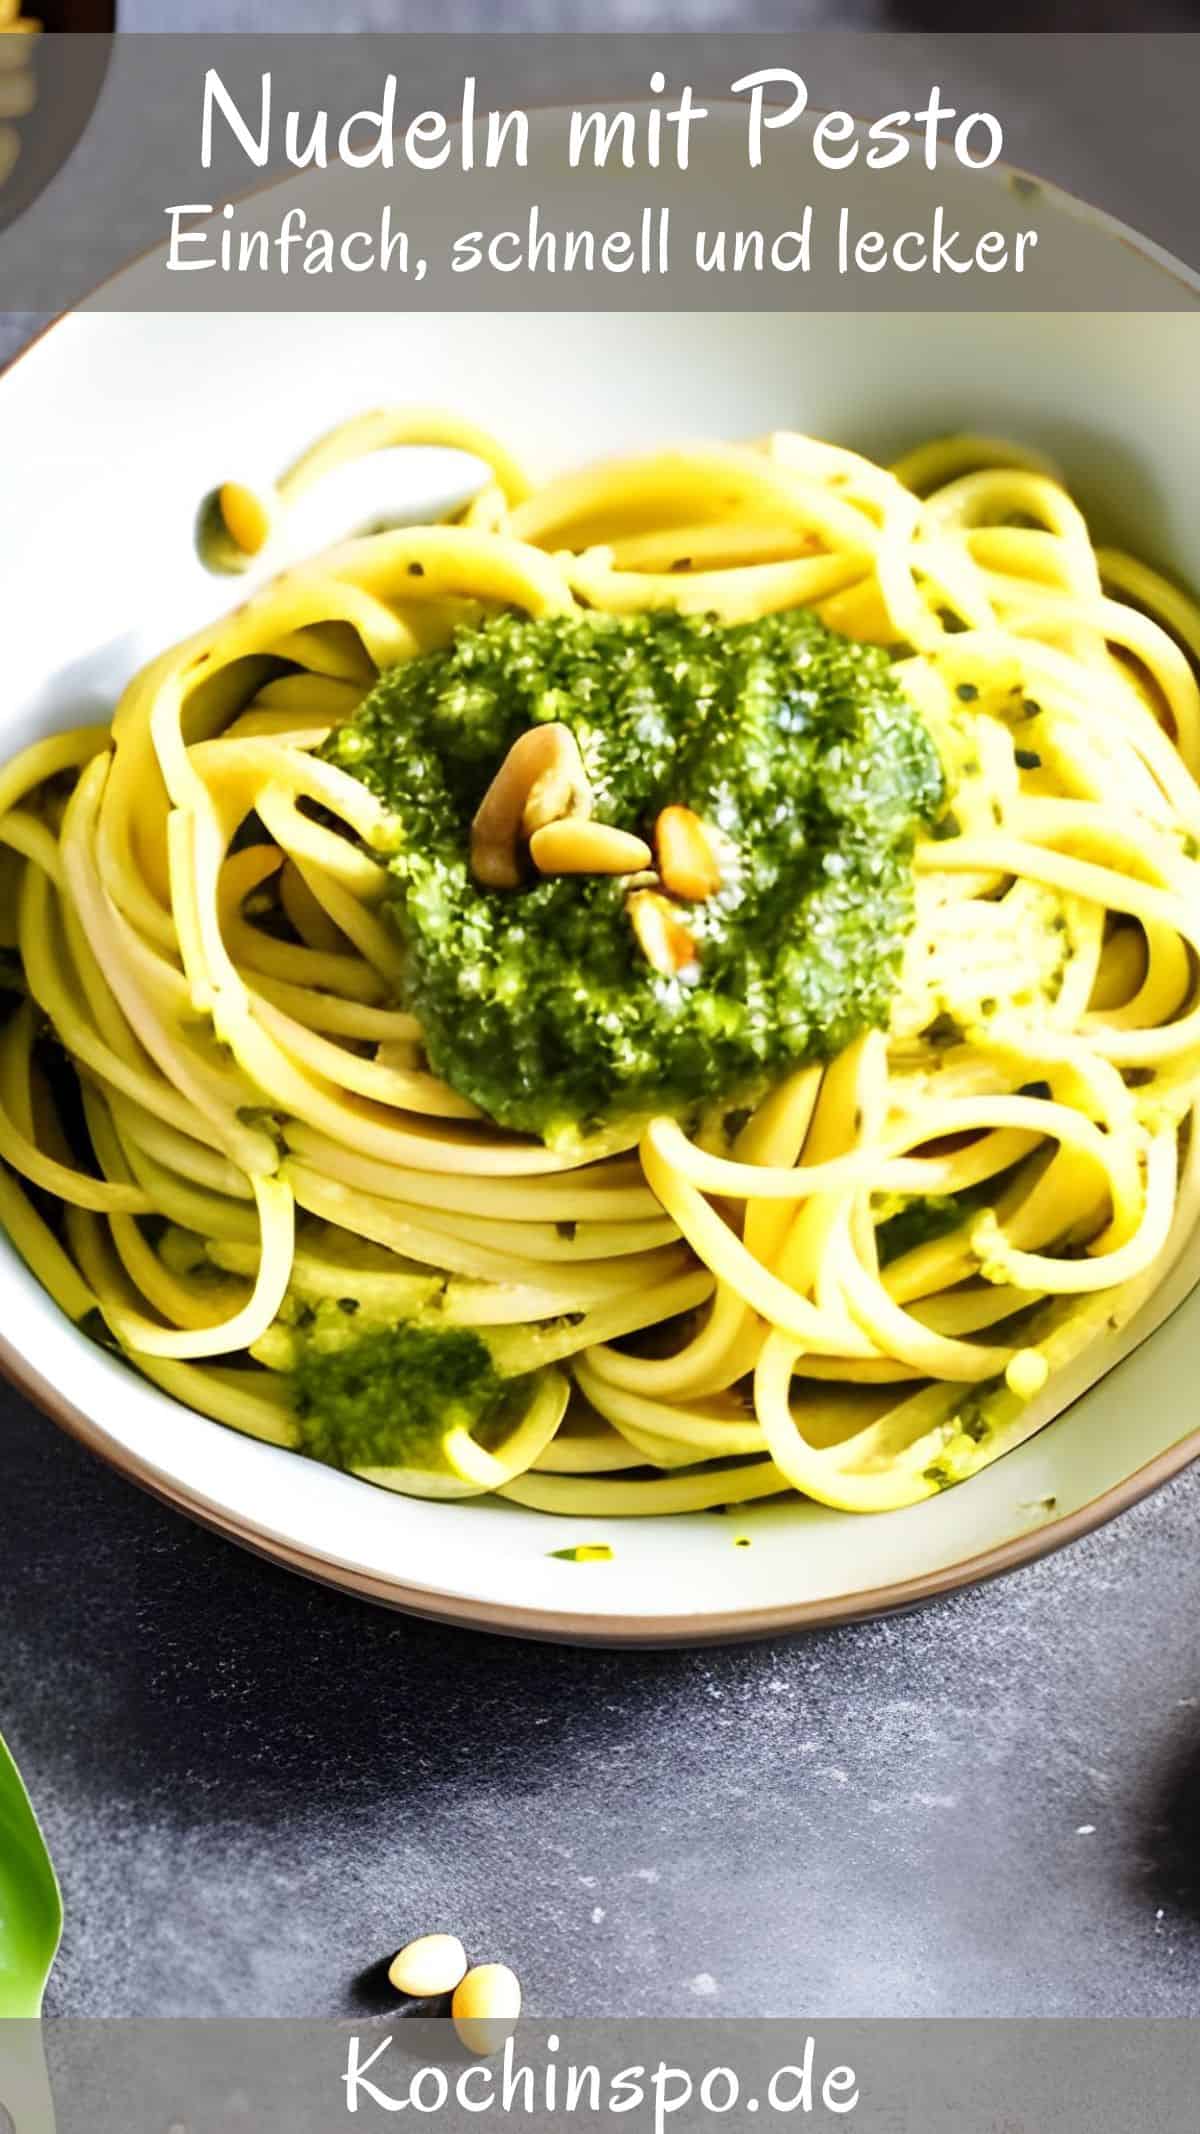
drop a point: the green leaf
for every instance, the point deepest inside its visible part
(30, 1904)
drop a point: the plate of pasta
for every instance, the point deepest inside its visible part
(600, 1016)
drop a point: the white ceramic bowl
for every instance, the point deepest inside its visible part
(111, 428)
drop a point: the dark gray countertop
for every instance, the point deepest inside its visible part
(256, 1789)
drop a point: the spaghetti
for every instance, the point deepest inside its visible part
(218, 1119)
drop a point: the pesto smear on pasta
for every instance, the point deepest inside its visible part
(794, 753)
(392, 1395)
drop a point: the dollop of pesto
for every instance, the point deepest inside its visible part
(390, 1397)
(794, 745)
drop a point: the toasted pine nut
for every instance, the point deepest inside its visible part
(18, 94)
(542, 771)
(576, 846)
(429, 1966)
(664, 940)
(686, 860)
(486, 2006)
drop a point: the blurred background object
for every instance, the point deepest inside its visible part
(35, 143)
(633, 15)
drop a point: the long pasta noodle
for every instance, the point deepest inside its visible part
(211, 1069)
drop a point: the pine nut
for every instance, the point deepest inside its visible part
(550, 798)
(431, 1965)
(686, 860)
(541, 779)
(575, 846)
(667, 944)
(486, 2006)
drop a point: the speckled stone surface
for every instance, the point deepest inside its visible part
(256, 1789)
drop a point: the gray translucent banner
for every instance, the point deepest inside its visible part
(831, 171)
(877, 2077)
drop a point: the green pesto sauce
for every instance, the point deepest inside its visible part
(391, 1397)
(795, 744)
(924, 1219)
(969, 1429)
